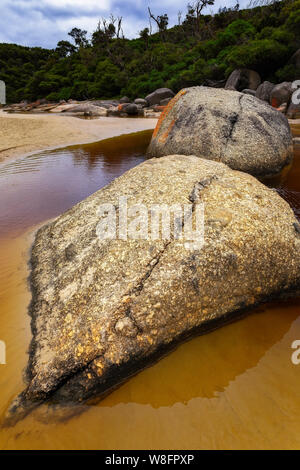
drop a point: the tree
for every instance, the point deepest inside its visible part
(79, 37)
(144, 34)
(179, 17)
(194, 13)
(107, 30)
(104, 33)
(263, 39)
(119, 29)
(65, 48)
(162, 22)
(102, 38)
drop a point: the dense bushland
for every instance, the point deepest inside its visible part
(199, 48)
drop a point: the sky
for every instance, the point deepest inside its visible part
(45, 22)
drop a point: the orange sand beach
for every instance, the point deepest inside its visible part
(21, 134)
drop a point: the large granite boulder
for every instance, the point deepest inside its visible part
(158, 95)
(227, 126)
(264, 90)
(103, 309)
(243, 78)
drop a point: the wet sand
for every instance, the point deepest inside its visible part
(22, 134)
(235, 388)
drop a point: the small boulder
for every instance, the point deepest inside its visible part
(237, 129)
(243, 78)
(264, 90)
(281, 94)
(131, 109)
(142, 102)
(125, 99)
(158, 95)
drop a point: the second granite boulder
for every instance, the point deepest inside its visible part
(222, 125)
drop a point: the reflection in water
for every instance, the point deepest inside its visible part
(44, 185)
(233, 388)
(231, 350)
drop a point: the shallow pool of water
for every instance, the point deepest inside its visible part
(234, 388)
(43, 185)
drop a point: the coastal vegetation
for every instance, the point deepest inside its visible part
(198, 49)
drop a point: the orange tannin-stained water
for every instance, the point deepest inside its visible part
(234, 388)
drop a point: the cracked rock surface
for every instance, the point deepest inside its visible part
(104, 309)
(227, 126)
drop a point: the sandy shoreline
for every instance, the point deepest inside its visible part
(23, 134)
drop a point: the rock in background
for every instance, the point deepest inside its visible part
(293, 111)
(158, 95)
(241, 79)
(281, 94)
(223, 125)
(264, 91)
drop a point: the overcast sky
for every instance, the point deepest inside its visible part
(45, 22)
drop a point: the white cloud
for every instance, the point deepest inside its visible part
(45, 22)
(87, 4)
